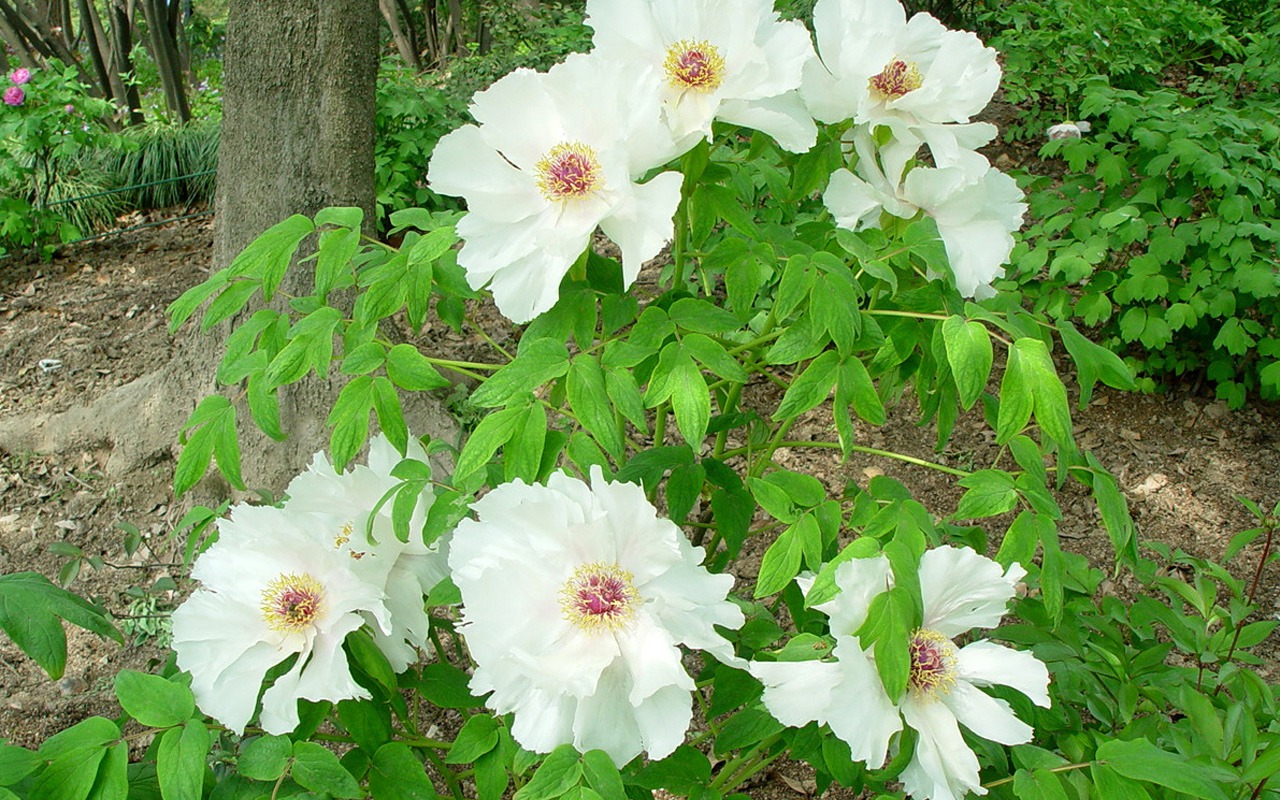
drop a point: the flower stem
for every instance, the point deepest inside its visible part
(1063, 768)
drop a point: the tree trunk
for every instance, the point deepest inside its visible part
(121, 46)
(164, 50)
(403, 39)
(297, 135)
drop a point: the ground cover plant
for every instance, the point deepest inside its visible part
(579, 586)
(1161, 232)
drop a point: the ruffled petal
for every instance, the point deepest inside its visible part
(988, 717)
(797, 692)
(985, 663)
(643, 223)
(943, 767)
(860, 580)
(962, 590)
(783, 116)
(464, 165)
(853, 202)
(606, 720)
(861, 713)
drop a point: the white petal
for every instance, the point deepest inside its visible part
(860, 580)
(943, 768)
(663, 719)
(853, 202)
(606, 720)
(962, 590)
(797, 692)
(464, 165)
(988, 717)
(518, 117)
(784, 117)
(650, 658)
(977, 251)
(986, 663)
(861, 713)
(643, 223)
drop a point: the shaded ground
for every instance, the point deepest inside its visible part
(98, 310)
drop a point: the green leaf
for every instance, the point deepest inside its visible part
(602, 775)
(319, 770)
(446, 686)
(1094, 362)
(229, 302)
(991, 492)
(1017, 399)
(692, 314)
(888, 624)
(824, 586)
(16, 763)
(70, 776)
(180, 310)
(714, 357)
(690, 400)
(855, 388)
(747, 727)
(623, 391)
(558, 773)
(683, 489)
(397, 774)
(1141, 760)
(774, 499)
(265, 758)
(781, 562)
(493, 432)
(181, 761)
(1038, 785)
(152, 700)
(411, 371)
(543, 360)
(112, 782)
(812, 387)
(350, 420)
(267, 257)
(333, 259)
(968, 346)
(31, 608)
(478, 736)
(589, 400)
(364, 359)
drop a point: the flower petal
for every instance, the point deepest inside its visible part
(985, 663)
(962, 590)
(797, 692)
(860, 581)
(943, 767)
(988, 717)
(643, 222)
(861, 713)
(783, 116)
(464, 165)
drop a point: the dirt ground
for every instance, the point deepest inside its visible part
(93, 319)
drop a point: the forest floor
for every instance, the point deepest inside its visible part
(93, 319)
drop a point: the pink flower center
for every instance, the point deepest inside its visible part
(291, 602)
(933, 664)
(599, 596)
(568, 171)
(694, 65)
(895, 80)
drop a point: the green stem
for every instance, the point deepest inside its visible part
(1064, 768)
(680, 242)
(455, 786)
(919, 462)
(730, 403)
(747, 764)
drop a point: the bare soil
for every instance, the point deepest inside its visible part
(97, 310)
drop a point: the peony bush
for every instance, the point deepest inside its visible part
(616, 586)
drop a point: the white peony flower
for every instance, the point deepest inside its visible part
(961, 590)
(555, 156)
(575, 599)
(916, 76)
(976, 211)
(269, 592)
(405, 571)
(732, 60)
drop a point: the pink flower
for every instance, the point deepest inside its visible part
(14, 96)
(20, 76)
(70, 109)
